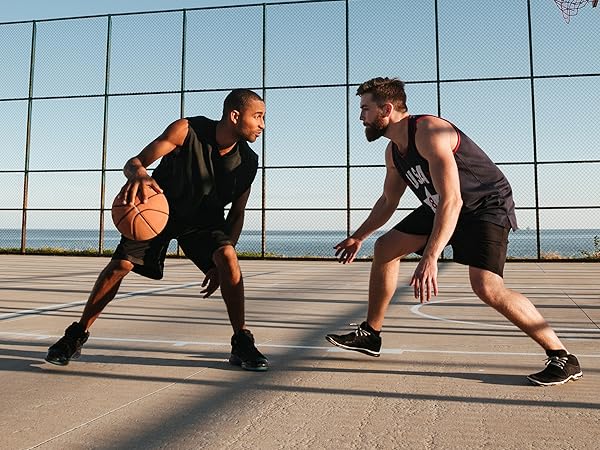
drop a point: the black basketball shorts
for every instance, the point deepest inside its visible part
(148, 257)
(475, 243)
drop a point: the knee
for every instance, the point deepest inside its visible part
(118, 268)
(487, 291)
(381, 247)
(388, 248)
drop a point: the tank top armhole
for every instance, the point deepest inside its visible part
(456, 147)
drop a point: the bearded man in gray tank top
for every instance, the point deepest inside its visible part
(466, 203)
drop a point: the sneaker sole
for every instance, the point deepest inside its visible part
(57, 362)
(60, 362)
(345, 347)
(235, 361)
(575, 377)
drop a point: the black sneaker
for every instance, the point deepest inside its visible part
(245, 354)
(560, 368)
(360, 340)
(69, 346)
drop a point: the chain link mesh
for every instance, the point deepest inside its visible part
(163, 63)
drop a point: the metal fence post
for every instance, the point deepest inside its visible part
(104, 136)
(263, 215)
(28, 141)
(348, 198)
(182, 87)
(534, 134)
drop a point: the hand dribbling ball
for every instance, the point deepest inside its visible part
(141, 221)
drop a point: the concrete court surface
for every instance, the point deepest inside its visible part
(154, 372)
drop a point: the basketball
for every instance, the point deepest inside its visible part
(141, 221)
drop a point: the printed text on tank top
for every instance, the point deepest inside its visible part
(485, 191)
(417, 176)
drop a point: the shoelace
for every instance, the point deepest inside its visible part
(359, 331)
(558, 361)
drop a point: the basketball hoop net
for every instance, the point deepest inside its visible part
(570, 8)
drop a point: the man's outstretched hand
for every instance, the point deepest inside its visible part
(347, 250)
(424, 280)
(210, 283)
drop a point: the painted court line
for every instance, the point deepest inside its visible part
(416, 309)
(125, 296)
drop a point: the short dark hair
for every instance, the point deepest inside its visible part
(385, 90)
(239, 99)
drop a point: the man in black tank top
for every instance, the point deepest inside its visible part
(466, 203)
(205, 165)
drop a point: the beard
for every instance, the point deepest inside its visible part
(375, 130)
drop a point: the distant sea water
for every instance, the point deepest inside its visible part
(522, 243)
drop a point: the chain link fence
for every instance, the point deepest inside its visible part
(79, 96)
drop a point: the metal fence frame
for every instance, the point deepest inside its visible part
(264, 89)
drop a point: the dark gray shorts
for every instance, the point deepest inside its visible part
(475, 243)
(148, 257)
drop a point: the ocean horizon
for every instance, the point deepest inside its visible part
(565, 243)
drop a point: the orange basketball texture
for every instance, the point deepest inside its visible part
(141, 221)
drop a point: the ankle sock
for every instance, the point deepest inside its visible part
(560, 353)
(366, 326)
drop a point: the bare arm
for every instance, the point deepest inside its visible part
(235, 217)
(135, 168)
(435, 140)
(393, 188)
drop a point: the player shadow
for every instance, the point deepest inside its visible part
(26, 360)
(33, 360)
(16, 359)
(226, 392)
(223, 392)
(498, 379)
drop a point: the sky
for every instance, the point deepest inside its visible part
(306, 125)
(43, 9)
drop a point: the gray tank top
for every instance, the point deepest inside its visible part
(485, 191)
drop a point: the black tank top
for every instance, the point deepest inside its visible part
(485, 191)
(197, 181)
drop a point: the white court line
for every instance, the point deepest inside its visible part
(117, 297)
(125, 405)
(329, 349)
(416, 309)
(124, 296)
